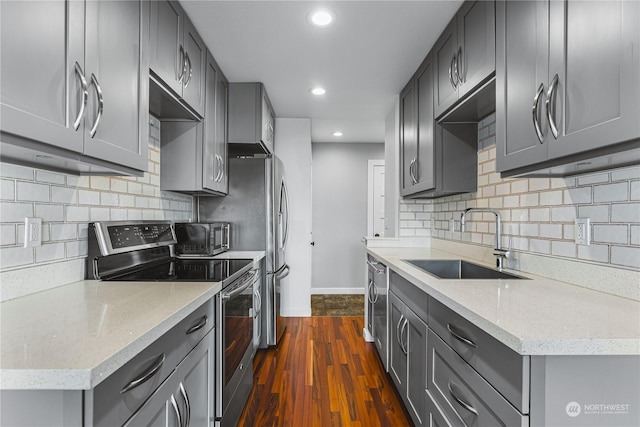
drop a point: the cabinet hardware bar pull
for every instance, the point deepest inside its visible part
(85, 95)
(459, 66)
(534, 112)
(551, 106)
(459, 337)
(94, 81)
(398, 330)
(176, 410)
(402, 343)
(188, 68)
(375, 268)
(201, 323)
(452, 73)
(187, 405)
(462, 403)
(146, 376)
(220, 166)
(182, 65)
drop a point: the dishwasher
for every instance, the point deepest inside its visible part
(376, 307)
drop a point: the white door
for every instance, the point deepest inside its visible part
(375, 213)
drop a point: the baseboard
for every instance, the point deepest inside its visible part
(296, 312)
(342, 291)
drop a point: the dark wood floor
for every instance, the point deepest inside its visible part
(322, 374)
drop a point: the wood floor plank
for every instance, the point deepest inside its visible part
(322, 374)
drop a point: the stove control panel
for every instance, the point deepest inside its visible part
(118, 237)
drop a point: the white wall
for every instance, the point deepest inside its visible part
(293, 147)
(340, 215)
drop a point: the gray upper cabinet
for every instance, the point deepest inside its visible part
(178, 54)
(568, 86)
(194, 154)
(437, 160)
(464, 55)
(251, 119)
(75, 88)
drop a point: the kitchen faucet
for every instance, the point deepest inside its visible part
(501, 254)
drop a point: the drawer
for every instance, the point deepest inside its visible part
(433, 415)
(111, 405)
(506, 370)
(410, 294)
(193, 328)
(466, 399)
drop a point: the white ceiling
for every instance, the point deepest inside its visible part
(363, 59)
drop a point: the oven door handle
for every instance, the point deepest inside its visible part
(240, 288)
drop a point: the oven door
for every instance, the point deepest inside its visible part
(234, 369)
(219, 238)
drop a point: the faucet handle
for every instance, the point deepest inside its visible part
(502, 253)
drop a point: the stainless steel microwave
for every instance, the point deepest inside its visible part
(202, 239)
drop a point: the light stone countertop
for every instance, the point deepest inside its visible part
(533, 317)
(74, 336)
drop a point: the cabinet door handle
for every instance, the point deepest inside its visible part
(403, 344)
(462, 403)
(94, 81)
(221, 170)
(85, 95)
(375, 292)
(187, 404)
(398, 338)
(459, 64)
(551, 106)
(146, 376)
(176, 410)
(369, 297)
(182, 65)
(534, 112)
(201, 324)
(459, 337)
(188, 69)
(452, 72)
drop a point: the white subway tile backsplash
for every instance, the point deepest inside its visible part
(100, 183)
(50, 213)
(108, 199)
(7, 189)
(118, 185)
(89, 197)
(99, 214)
(538, 213)
(7, 234)
(618, 192)
(50, 177)
(32, 192)
(77, 248)
(15, 212)
(64, 232)
(77, 214)
(134, 188)
(15, 256)
(49, 252)
(16, 171)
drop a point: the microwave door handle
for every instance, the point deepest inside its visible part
(228, 232)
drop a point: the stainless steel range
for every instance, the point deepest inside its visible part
(145, 251)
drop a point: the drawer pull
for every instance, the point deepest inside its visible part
(462, 403)
(459, 337)
(146, 376)
(198, 326)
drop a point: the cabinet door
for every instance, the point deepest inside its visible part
(445, 53)
(195, 52)
(210, 155)
(408, 137)
(159, 410)
(398, 358)
(416, 345)
(41, 86)
(521, 71)
(222, 108)
(594, 50)
(167, 52)
(268, 122)
(477, 44)
(195, 390)
(425, 169)
(117, 111)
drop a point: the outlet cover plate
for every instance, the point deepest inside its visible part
(583, 231)
(32, 232)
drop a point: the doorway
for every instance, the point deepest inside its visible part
(375, 206)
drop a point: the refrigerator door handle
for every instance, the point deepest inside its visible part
(282, 272)
(284, 211)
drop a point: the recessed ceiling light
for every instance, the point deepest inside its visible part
(321, 17)
(337, 133)
(318, 91)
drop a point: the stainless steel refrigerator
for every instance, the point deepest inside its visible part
(257, 207)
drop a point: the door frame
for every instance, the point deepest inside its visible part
(370, 194)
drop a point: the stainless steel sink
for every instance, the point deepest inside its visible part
(458, 269)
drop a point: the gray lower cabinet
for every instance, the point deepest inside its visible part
(251, 119)
(464, 55)
(74, 91)
(437, 160)
(178, 54)
(568, 86)
(408, 357)
(194, 154)
(186, 397)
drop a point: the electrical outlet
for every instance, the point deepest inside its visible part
(32, 232)
(583, 231)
